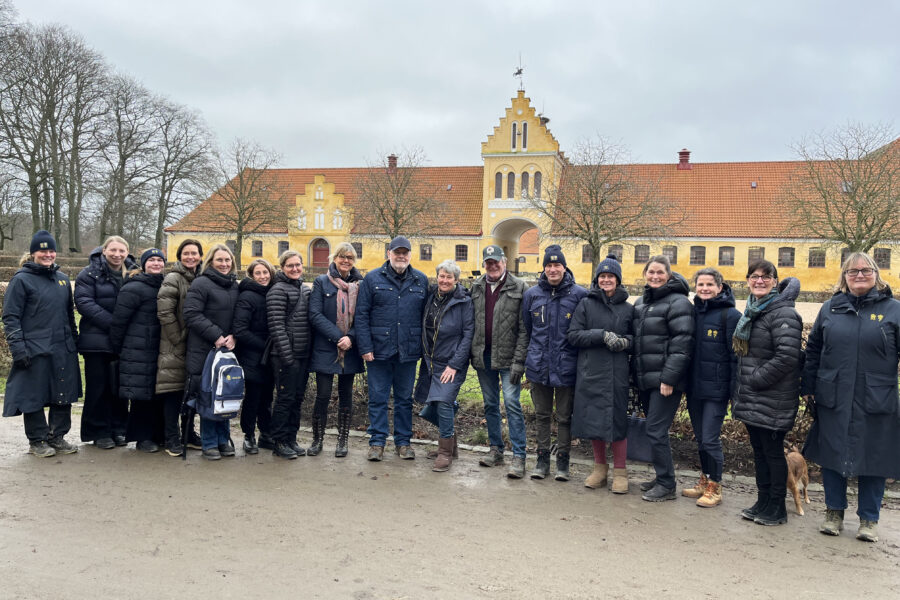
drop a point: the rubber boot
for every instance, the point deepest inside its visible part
(344, 415)
(698, 490)
(445, 455)
(620, 481)
(762, 499)
(598, 477)
(542, 467)
(318, 431)
(562, 466)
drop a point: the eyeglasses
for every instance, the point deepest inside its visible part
(294, 266)
(864, 272)
(344, 257)
(760, 278)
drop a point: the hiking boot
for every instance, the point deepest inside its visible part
(174, 448)
(516, 468)
(493, 458)
(648, 485)
(598, 477)
(659, 493)
(250, 445)
(620, 481)
(284, 450)
(774, 514)
(148, 446)
(297, 448)
(105, 443)
(266, 442)
(376, 453)
(698, 490)
(212, 454)
(405, 452)
(868, 531)
(834, 522)
(318, 431)
(119, 440)
(340, 450)
(762, 499)
(542, 467)
(41, 449)
(712, 496)
(562, 466)
(445, 455)
(226, 449)
(194, 441)
(61, 446)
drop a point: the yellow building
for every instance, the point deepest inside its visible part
(733, 214)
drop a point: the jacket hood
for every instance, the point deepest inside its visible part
(151, 279)
(842, 300)
(568, 281)
(281, 277)
(725, 299)
(676, 284)
(248, 284)
(619, 296)
(36, 269)
(222, 280)
(788, 290)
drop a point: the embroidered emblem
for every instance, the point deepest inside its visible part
(44, 245)
(553, 258)
(568, 315)
(489, 250)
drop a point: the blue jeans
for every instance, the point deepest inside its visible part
(383, 375)
(490, 380)
(706, 419)
(214, 433)
(442, 415)
(871, 493)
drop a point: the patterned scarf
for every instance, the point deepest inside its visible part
(346, 305)
(755, 306)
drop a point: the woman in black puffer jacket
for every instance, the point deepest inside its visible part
(767, 341)
(287, 304)
(134, 336)
(105, 415)
(251, 330)
(663, 343)
(209, 316)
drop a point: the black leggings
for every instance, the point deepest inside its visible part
(771, 466)
(324, 385)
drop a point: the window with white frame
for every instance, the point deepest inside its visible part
(319, 218)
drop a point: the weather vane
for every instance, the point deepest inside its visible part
(520, 70)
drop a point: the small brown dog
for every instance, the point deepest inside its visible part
(798, 476)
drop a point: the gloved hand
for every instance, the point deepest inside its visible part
(23, 363)
(515, 374)
(615, 342)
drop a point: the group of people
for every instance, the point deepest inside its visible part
(586, 353)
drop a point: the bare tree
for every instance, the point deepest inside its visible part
(249, 197)
(395, 197)
(12, 206)
(848, 190)
(601, 199)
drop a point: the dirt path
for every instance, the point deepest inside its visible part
(120, 524)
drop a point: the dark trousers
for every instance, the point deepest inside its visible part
(660, 411)
(706, 419)
(771, 466)
(324, 386)
(290, 386)
(104, 414)
(146, 421)
(542, 396)
(171, 404)
(37, 428)
(257, 407)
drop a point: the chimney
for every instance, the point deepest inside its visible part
(392, 163)
(684, 160)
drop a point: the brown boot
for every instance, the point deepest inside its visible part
(597, 478)
(698, 490)
(445, 455)
(455, 448)
(712, 496)
(620, 481)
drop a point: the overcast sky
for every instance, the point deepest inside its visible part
(337, 83)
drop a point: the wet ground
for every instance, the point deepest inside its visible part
(121, 524)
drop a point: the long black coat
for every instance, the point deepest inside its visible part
(134, 336)
(208, 314)
(601, 387)
(95, 298)
(287, 305)
(768, 378)
(851, 367)
(714, 363)
(663, 335)
(251, 329)
(323, 316)
(39, 321)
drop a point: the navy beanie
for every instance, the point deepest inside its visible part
(42, 240)
(610, 264)
(148, 254)
(554, 254)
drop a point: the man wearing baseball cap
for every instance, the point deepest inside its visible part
(498, 355)
(389, 338)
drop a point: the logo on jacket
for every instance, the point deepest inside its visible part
(874, 317)
(713, 333)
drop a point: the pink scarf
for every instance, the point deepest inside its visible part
(346, 307)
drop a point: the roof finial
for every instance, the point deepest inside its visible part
(520, 74)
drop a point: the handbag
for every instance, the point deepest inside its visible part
(639, 448)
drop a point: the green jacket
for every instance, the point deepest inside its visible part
(509, 339)
(170, 372)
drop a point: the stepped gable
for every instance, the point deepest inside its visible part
(458, 187)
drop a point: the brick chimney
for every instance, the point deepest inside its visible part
(392, 163)
(684, 160)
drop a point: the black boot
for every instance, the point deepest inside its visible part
(562, 466)
(542, 467)
(318, 431)
(775, 513)
(343, 432)
(762, 500)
